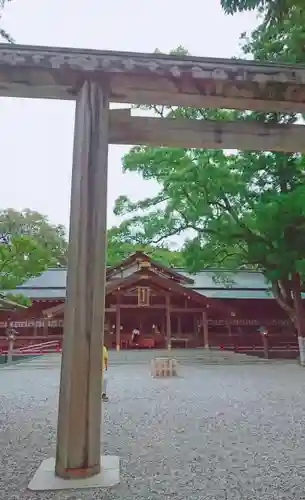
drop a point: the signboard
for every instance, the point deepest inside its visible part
(28, 323)
(249, 322)
(58, 323)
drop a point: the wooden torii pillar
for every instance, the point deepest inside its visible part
(78, 451)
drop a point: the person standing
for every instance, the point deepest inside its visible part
(104, 368)
(135, 335)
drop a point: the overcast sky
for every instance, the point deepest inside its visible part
(36, 136)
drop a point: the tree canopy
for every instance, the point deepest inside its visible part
(272, 10)
(3, 33)
(245, 209)
(20, 260)
(281, 29)
(120, 246)
(51, 237)
(29, 245)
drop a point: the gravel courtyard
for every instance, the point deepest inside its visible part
(218, 432)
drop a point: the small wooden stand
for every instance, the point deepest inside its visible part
(164, 367)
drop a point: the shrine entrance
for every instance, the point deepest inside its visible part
(94, 79)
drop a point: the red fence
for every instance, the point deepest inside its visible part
(41, 348)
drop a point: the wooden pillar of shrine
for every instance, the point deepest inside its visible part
(229, 329)
(78, 453)
(162, 327)
(46, 327)
(168, 322)
(118, 324)
(205, 328)
(195, 326)
(179, 329)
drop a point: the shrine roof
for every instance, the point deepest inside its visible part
(147, 277)
(216, 279)
(140, 259)
(51, 284)
(155, 78)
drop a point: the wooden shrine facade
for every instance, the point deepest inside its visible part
(153, 301)
(165, 305)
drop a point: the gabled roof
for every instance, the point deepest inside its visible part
(143, 260)
(147, 277)
(212, 283)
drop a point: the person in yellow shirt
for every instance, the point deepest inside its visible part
(104, 368)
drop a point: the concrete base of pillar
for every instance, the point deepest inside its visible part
(118, 347)
(45, 479)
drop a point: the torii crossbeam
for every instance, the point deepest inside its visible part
(94, 79)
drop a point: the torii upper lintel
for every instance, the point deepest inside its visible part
(139, 78)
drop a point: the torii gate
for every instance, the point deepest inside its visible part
(94, 79)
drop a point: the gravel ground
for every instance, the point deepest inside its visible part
(234, 432)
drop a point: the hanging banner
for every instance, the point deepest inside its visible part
(143, 296)
(249, 322)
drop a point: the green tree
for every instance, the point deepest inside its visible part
(120, 245)
(3, 33)
(272, 10)
(238, 210)
(49, 236)
(281, 29)
(22, 258)
(33, 245)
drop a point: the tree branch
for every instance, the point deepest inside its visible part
(275, 286)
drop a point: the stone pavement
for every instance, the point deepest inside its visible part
(216, 433)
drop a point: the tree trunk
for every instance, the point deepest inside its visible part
(299, 320)
(291, 302)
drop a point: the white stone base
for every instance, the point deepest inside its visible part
(302, 350)
(45, 479)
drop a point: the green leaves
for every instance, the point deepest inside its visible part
(35, 245)
(19, 261)
(121, 245)
(49, 236)
(274, 11)
(3, 33)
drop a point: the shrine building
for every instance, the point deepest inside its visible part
(149, 305)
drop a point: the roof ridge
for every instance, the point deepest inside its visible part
(210, 269)
(215, 269)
